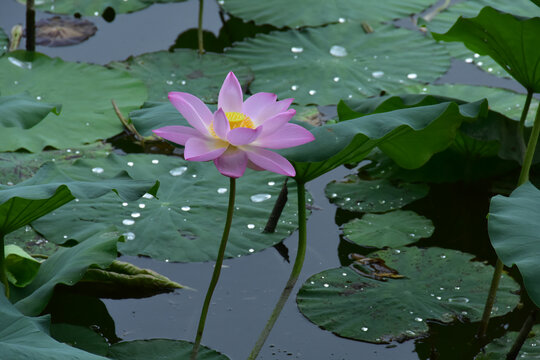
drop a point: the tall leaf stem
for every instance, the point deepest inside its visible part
(200, 28)
(522, 336)
(523, 178)
(217, 269)
(297, 268)
(524, 112)
(30, 26)
(3, 276)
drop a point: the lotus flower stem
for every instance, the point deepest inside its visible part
(3, 277)
(217, 269)
(277, 209)
(522, 336)
(30, 26)
(297, 268)
(200, 28)
(523, 178)
(521, 136)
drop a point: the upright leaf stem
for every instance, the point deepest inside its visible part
(217, 269)
(200, 28)
(3, 276)
(523, 178)
(30, 26)
(297, 268)
(524, 112)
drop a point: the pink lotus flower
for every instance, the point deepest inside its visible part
(237, 134)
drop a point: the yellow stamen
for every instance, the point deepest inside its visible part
(236, 120)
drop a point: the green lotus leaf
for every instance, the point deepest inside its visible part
(160, 349)
(80, 337)
(23, 112)
(506, 102)
(85, 92)
(348, 62)
(184, 70)
(320, 12)
(513, 226)
(393, 229)
(470, 8)
(122, 280)
(409, 136)
(184, 222)
(23, 337)
(53, 187)
(65, 266)
(21, 268)
(438, 284)
(93, 7)
(373, 196)
(510, 41)
(498, 348)
(31, 242)
(4, 42)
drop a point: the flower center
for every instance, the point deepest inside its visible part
(236, 120)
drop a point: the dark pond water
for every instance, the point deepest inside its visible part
(250, 285)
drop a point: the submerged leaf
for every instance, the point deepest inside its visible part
(164, 349)
(63, 31)
(438, 284)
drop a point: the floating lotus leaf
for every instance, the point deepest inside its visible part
(512, 42)
(81, 337)
(348, 62)
(373, 196)
(184, 222)
(63, 31)
(23, 112)
(65, 266)
(393, 229)
(506, 102)
(23, 337)
(498, 348)
(4, 42)
(93, 7)
(85, 92)
(320, 12)
(438, 284)
(470, 8)
(30, 241)
(184, 70)
(514, 228)
(164, 349)
(21, 268)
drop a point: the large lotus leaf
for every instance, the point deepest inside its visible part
(470, 8)
(23, 337)
(18, 166)
(65, 266)
(347, 62)
(93, 7)
(373, 196)
(30, 241)
(20, 267)
(4, 42)
(498, 348)
(164, 349)
(85, 92)
(393, 229)
(53, 187)
(409, 136)
(80, 337)
(438, 284)
(512, 42)
(506, 102)
(320, 12)
(23, 112)
(184, 222)
(514, 231)
(184, 70)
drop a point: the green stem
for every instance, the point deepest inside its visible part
(3, 277)
(521, 136)
(217, 269)
(30, 26)
(523, 178)
(200, 28)
(522, 336)
(297, 268)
